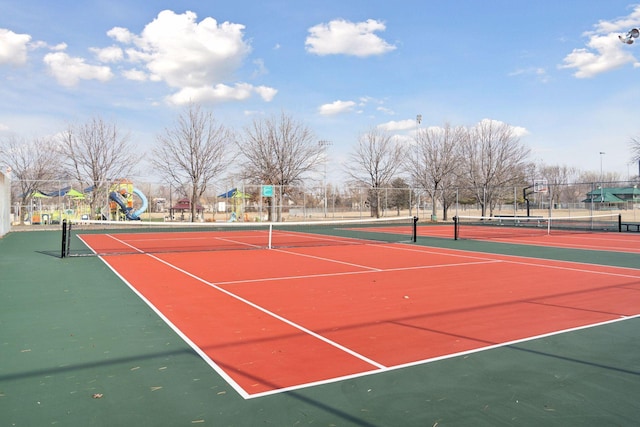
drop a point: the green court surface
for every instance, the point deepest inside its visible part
(79, 348)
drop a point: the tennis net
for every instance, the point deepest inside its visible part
(86, 238)
(495, 227)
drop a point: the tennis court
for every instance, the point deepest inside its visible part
(283, 319)
(313, 320)
(574, 233)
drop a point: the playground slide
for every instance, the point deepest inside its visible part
(145, 203)
(129, 213)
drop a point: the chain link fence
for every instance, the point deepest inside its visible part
(559, 200)
(5, 203)
(50, 202)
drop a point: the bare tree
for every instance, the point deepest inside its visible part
(494, 159)
(435, 161)
(374, 162)
(557, 178)
(33, 163)
(278, 151)
(95, 153)
(192, 153)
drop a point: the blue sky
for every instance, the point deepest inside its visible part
(554, 70)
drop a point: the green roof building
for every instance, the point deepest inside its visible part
(613, 197)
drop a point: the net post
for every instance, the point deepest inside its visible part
(63, 248)
(414, 230)
(455, 227)
(68, 238)
(68, 245)
(619, 223)
(270, 235)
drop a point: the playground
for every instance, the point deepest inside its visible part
(121, 201)
(118, 201)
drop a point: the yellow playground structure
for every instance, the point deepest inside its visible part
(115, 203)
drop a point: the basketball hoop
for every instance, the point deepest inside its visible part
(540, 186)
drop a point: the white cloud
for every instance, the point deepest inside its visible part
(364, 100)
(518, 131)
(136, 56)
(398, 125)
(623, 24)
(386, 110)
(13, 47)
(197, 58)
(266, 93)
(209, 93)
(41, 44)
(336, 107)
(347, 38)
(252, 113)
(58, 47)
(108, 54)
(135, 75)
(220, 93)
(260, 68)
(69, 70)
(121, 35)
(539, 72)
(44, 45)
(604, 51)
(185, 53)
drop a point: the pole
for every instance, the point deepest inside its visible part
(601, 181)
(324, 144)
(63, 250)
(418, 121)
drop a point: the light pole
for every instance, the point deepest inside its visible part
(418, 121)
(324, 144)
(602, 153)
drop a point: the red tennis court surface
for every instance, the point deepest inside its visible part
(276, 320)
(603, 241)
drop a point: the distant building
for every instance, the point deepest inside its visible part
(618, 198)
(160, 203)
(184, 206)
